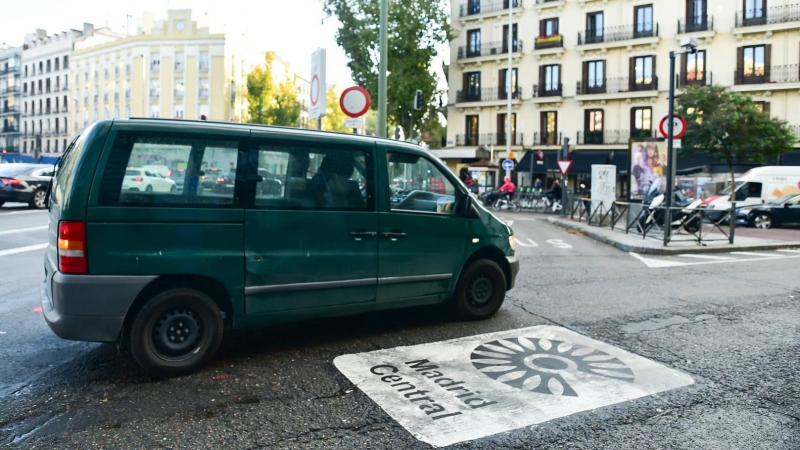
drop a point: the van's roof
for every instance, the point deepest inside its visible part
(249, 126)
(772, 170)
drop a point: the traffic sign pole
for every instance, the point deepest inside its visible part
(670, 150)
(564, 179)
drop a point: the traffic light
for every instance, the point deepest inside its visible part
(397, 133)
(418, 100)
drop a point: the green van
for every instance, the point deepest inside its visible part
(165, 233)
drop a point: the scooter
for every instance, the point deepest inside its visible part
(685, 218)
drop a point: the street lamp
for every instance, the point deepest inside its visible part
(690, 44)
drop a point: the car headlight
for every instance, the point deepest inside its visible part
(512, 242)
(746, 211)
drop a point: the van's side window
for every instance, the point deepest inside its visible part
(416, 184)
(290, 177)
(164, 171)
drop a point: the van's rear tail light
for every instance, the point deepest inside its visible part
(72, 248)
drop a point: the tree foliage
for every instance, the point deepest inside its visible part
(728, 127)
(415, 28)
(270, 103)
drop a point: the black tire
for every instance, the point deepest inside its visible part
(496, 206)
(160, 348)
(37, 200)
(480, 291)
(149, 188)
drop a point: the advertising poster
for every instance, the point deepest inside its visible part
(648, 168)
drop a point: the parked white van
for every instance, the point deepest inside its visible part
(757, 186)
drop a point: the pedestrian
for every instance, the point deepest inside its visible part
(537, 186)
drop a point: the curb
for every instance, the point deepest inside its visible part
(645, 250)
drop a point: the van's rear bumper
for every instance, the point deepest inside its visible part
(513, 262)
(89, 308)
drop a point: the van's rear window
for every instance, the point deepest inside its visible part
(141, 167)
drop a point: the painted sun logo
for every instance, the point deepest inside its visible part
(537, 365)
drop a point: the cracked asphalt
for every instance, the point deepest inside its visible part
(735, 328)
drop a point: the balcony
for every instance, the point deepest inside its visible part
(204, 93)
(96, 98)
(546, 138)
(696, 24)
(8, 110)
(9, 70)
(547, 90)
(155, 67)
(116, 96)
(9, 130)
(487, 95)
(618, 36)
(204, 66)
(154, 93)
(773, 78)
(464, 140)
(9, 90)
(488, 50)
(178, 93)
(64, 109)
(695, 79)
(56, 89)
(12, 148)
(475, 9)
(179, 68)
(777, 15)
(548, 42)
(612, 137)
(617, 88)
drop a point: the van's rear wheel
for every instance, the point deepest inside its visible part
(176, 332)
(481, 290)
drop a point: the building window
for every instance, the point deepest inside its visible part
(754, 9)
(179, 62)
(644, 21)
(594, 77)
(155, 62)
(549, 127)
(513, 38)
(179, 112)
(48, 146)
(472, 130)
(472, 87)
(66, 62)
(25, 147)
(594, 28)
(695, 70)
(761, 106)
(503, 78)
(473, 43)
(593, 126)
(55, 143)
(179, 89)
(548, 27)
(641, 122)
(643, 72)
(551, 79)
(204, 88)
(155, 111)
(57, 64)
(502, 128)
(48, 66)
(698, 12)
(204, 61)
(754, 59)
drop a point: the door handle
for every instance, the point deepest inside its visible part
(360, 235)
(394, 236)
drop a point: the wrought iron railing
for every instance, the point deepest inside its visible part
(615, 34)
(772, 74)
(547, 138)
(488, 49)
(695, 24)
(487, 95)
(612, 137)
(544, 42)
(768, 16)
(475, 7)
(617, 85)
(548, 90)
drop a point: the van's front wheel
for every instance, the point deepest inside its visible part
(481, 290)
(176, 332)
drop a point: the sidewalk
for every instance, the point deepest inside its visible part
(744, 241)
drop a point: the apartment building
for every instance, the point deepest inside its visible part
(10, 99)
(597, 72)
(172, 68)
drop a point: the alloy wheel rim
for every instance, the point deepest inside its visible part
(38, 199)
(763, 222)
(177, 334)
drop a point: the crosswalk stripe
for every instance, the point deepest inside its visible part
(765, 255)
(718, 258)
(23, 230)
(786, 250)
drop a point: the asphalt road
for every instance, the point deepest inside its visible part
(733, 326)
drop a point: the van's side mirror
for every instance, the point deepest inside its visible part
(467, 209)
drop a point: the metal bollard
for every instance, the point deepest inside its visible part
(733, 222)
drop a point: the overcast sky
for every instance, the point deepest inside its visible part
(291, 28)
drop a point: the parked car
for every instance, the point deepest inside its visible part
(225, 183)
(756, 187)
(143, 180)
(178, 176)
(166, 275)
(25, 183)
(781, 211)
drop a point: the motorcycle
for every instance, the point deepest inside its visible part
(686, 218)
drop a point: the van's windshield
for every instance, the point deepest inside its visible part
(727, 189)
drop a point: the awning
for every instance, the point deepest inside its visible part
(583, 160)
(791, 158)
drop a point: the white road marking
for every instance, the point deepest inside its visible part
(719, 258)
(788, 251)
(764, 255)
(24, 230)
(21, 212)
(529, 244)
(463, 389)
(657, 263)
(661, 263)
(558, 243)
(509, 222)
(30, 248)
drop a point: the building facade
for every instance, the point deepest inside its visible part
(598, 71)
(170, 69)
(10, 99)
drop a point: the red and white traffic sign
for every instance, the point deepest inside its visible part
(540, 154)
(564, 165)
(355, 101)
(678, 127)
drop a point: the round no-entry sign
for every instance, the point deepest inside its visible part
(355, 101)
(678, 127)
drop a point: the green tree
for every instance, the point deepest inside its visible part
(259, 84)
(415, 29)
(285, 108)
(334, 116)
(728, 127)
